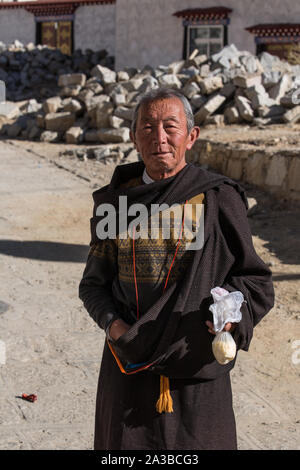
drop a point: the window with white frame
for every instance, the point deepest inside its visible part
(208, 39)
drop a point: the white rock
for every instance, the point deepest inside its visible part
(245, 110)
(106, 75)
(71, 79)
(170, 80)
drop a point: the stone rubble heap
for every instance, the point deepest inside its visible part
(231, 87)
(32, 71)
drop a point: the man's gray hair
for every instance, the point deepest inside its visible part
(162, 94)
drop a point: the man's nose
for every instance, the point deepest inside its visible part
(160, 135)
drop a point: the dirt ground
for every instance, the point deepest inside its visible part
(49, 345)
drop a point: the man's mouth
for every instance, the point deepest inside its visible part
(160, 154)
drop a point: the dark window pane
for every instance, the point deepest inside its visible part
(214, 48)
(215, 33)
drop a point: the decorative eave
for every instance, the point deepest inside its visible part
(52, 7)
(195, 14)
(280, 32)
(280, 29)
(204, 16)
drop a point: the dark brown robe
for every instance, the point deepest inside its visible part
(170, 336)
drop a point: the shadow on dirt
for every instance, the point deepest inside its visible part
(45, 251)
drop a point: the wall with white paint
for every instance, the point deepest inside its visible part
(94, 28)
(148, 33)
(17, 24)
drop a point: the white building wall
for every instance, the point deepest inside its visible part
(94, 28)
(148, 33)
(17, 24)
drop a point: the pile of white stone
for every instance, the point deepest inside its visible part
(31, 71)
(231, 87)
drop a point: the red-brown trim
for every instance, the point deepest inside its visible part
(279, 29)
(53, 7)
(212, 13)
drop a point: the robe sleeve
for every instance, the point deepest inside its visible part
(248, 274)
(95, 285)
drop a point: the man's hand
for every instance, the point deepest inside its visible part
(228, 327)
(117, 329)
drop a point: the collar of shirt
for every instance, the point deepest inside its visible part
(146, 177)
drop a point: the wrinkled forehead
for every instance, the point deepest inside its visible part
(166, 108)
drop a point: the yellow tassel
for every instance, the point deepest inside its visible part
(165, 402)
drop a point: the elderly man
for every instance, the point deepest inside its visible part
(160, 386)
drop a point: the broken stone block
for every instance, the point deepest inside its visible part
(258, 96)
(122, 76)
(106, 75)
(59, 122)
(271, 78)
(290, 99)
(118, 99)
(226, 56)
(71, 90)
(73, 135)
(268, 112)
(293, 115)
(49, 136)
(280, 89)
(251, 64)
(195, 61)
(72, 106)
(149, 83)
(51, 105)
(204, 70)
(92, 102)
(115, 122)
(103, 111)
(228, 90)
(170, 80)
(231, 115)
(92, 135)
(114, 136)
(198, 100)
(32, 106)
(210, 84)
(133, 84)
(247, 81)
(94, 85)
(176, 67)
(71, 79)
(208, 108)
(190, 89)
(245, 110)
(9, 110)
(124, 113)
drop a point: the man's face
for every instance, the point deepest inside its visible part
(162, 138)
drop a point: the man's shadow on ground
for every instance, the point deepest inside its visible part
(45, 251)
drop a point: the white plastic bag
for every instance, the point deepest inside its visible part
(224, 347)
(226, 308)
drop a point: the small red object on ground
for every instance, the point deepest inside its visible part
(31, 397)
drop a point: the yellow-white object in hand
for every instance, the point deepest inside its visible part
(224, 347)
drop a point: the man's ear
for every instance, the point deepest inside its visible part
(133, 139)
(194, 134)
(131, 134)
